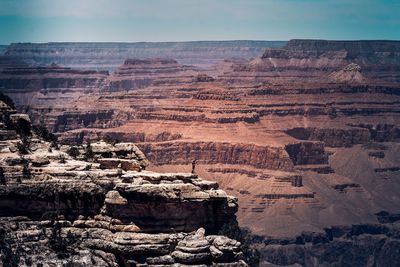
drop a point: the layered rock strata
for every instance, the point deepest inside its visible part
(356, 245)
(140, 73)
(306, 136)
(97, 206)
(108, 56)
(49, 78)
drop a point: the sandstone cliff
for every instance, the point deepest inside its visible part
(141, 73)
(97, 206)
(314, 59)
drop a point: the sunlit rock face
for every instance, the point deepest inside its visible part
(306, 135)
(313, 60)
(140, 73)
(98, 206)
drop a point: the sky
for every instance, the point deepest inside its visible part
(192, 20)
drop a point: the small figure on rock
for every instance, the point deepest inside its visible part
(194, 166)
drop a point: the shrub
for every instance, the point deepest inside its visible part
(109, 140)
(88, 167)
(62, 246)
(7, 122)
(23, 128)
(24, 145)
(6, 99)
(62, 159)
(8, 256)
(89, 151)
(45, 134)
(73, 152)
(80, 138)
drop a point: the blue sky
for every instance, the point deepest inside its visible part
(185, 20)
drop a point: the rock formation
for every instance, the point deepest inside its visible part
(140, 73)
(51, 77)
(108, 56)
(97, 206)
(306, 136)
(356, 245)
(311, 60)
(351, 74)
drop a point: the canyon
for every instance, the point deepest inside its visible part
(108, 56)
(304, 133)
(98, 206)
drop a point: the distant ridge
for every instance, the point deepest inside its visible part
(107, 56)
(363, 46)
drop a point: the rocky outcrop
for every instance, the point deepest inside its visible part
(49, 78)
(302, 60)
(387, 217)
(307, 153)
(97, 206)
(346, 137)
(78, 137)
(72, 120)
(350, 74)
(311, 89)
(354, 49)
(332, 137)
(7, 62)
(212, 118)
(211, 153)
(141, 73)
(382, 132)
(375, 245)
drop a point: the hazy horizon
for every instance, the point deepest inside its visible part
(192, 41)
(128, 21)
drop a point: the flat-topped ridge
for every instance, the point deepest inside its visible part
(361, 46)
(137, 61)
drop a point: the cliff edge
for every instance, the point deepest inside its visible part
(98, 206)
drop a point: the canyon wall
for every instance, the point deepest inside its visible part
(356, 245)
(351, 61)
(213, 153)
(98, 206)
(306, 135)
(107, 56)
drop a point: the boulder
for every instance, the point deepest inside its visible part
(39, 161)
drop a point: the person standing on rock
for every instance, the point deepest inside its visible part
(193, 166)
